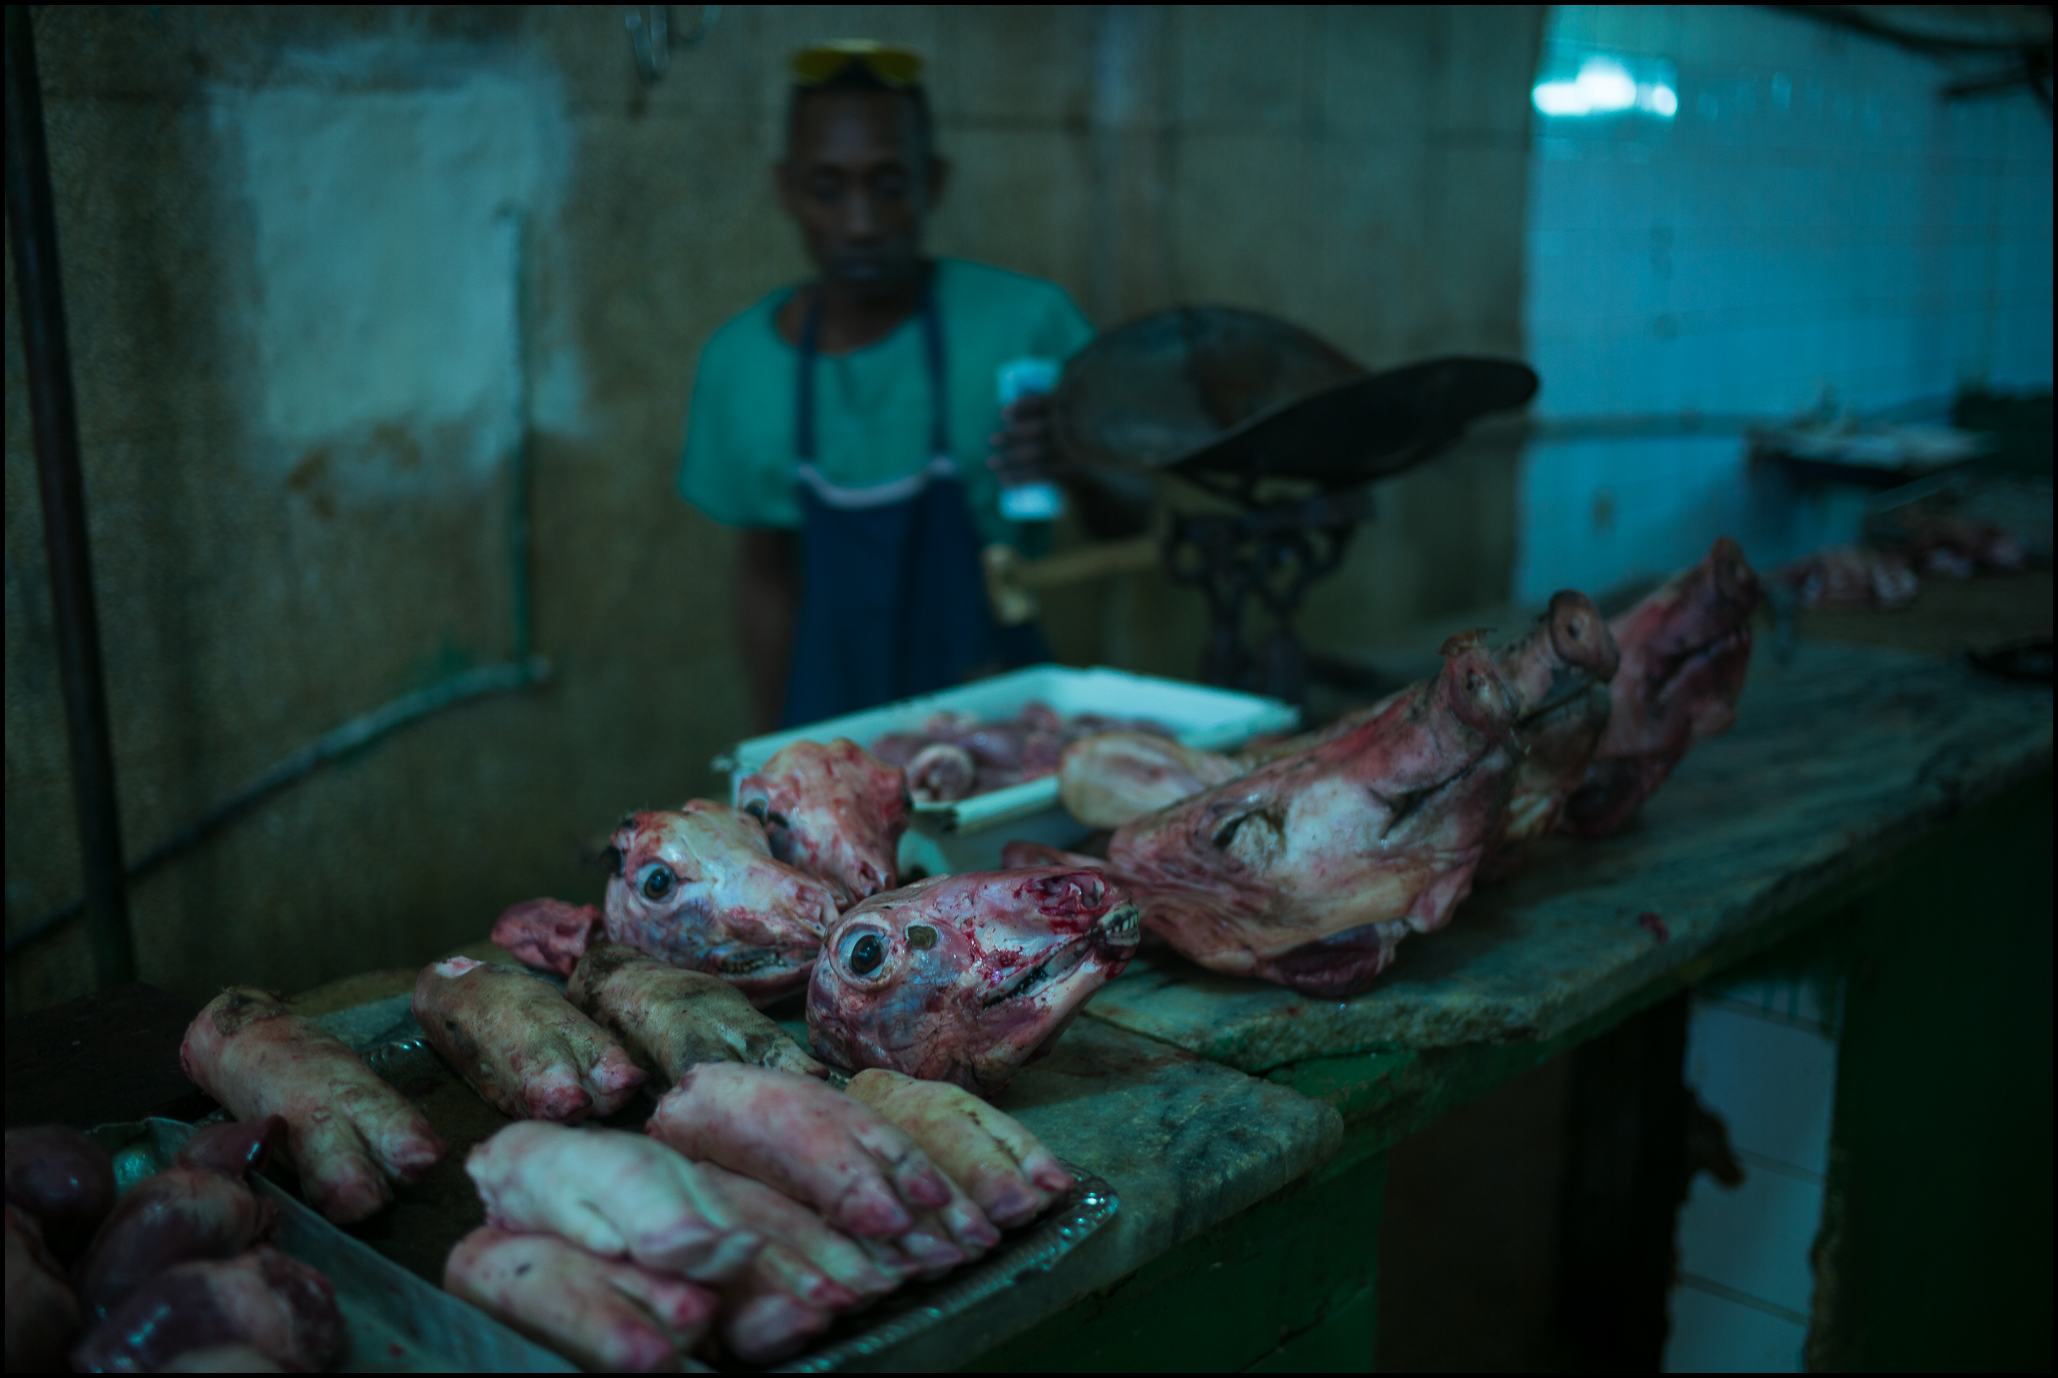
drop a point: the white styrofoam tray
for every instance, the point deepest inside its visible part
(1199, 716)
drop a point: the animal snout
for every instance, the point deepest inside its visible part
(1121, 926)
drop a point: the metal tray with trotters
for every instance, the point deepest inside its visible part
(427, 1218)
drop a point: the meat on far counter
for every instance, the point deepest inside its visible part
(63, 1180)
(1000, 1164)
(1309, 870)
(670, 1018)
(953, 755)
(833, 811)
(1685, 651)
(964, 978)
(606, 1314)
(1946, 543)
(200, 1207)
(696, 888)
(347, 1131)
(613, 1193)
(520, 1044)
(260, 1299)
(42, 1313)
(824, 1149)
(1851, 577)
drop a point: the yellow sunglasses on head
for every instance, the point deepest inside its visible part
(896, 67)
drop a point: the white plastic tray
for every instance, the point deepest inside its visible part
(962, 834)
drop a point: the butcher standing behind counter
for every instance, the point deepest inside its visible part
(849, 424)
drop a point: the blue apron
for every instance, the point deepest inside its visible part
(893, 589)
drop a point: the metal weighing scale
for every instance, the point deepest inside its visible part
(1286, 433)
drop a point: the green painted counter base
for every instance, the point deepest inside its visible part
(1936, 1250)
(1187, 1145)
(1289, 1285)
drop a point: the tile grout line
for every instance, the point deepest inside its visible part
(1713, 1288)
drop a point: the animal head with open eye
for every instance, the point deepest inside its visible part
(699, 888)
(964, 978)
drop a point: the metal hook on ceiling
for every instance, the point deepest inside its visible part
(652, 38)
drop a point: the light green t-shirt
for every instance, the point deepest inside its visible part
(872, 412)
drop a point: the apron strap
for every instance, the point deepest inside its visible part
(939, 395)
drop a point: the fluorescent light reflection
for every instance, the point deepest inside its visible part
(1605, 87)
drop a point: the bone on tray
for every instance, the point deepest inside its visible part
(954, 755)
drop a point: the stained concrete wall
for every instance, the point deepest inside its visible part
(321, 265)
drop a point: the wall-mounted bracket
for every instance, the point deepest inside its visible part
(652, 37)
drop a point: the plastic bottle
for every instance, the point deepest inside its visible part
(1029, 502)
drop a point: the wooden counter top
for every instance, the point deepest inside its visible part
(1837, 759)
(1840, 757)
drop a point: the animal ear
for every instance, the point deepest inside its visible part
(608, 858)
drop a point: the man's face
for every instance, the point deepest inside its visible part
(855, 182)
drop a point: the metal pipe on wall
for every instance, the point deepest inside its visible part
(524, 670)
(33, 220)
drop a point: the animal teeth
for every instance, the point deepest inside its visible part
(1038, 974)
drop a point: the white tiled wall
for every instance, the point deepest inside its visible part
(1813, 217)
(1726, 1337)
(1761, 1056)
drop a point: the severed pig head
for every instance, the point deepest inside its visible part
(964, 978)
(1685, 651)
(1309, 870)
(1559, 673)
(834, 811)
(699, 888)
